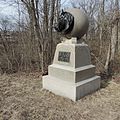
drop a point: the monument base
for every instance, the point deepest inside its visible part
(71, 75)
(74, 91)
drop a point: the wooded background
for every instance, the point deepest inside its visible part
(28, 44)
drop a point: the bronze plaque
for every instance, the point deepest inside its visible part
(64, 56)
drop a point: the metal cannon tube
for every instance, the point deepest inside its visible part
(73, 23)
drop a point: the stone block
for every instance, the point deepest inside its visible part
(74, 91)
(71, 75)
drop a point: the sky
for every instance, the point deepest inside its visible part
(10, 10)
(7, 9)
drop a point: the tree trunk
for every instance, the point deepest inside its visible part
(51, 28)
(117, 22)
(108, 59)
(114, 38)
(32, 7)
(119, 42)
(102, 4)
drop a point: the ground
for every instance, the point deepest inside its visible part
(22, 98)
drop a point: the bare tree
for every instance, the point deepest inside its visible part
(36, 39)
(43, 32)
(114, 36)
(101, 20)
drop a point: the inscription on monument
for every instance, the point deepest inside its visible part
(64, 56)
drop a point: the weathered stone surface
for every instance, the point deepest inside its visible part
(80, 55)
(72, 22)
(72, 75)
(74, 91)
(74, 78)
(81, 22)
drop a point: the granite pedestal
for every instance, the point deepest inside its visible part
(71, 75)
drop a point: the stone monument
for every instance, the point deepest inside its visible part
(72, 75)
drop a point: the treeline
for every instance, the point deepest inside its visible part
(33, 39)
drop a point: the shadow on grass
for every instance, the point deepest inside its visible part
(105, 83)
(105, 80)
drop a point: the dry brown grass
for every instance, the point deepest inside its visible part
(22, 98)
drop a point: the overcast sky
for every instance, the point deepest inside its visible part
(8, 9)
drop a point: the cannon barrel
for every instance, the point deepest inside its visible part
(72, 23)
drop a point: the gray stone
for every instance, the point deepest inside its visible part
(74, 91)
(72, 75)
(73, 79)
(80, 23)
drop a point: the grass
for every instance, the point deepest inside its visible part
(22, 98)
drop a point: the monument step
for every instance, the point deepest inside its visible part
(74, 91)
(71, 74)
